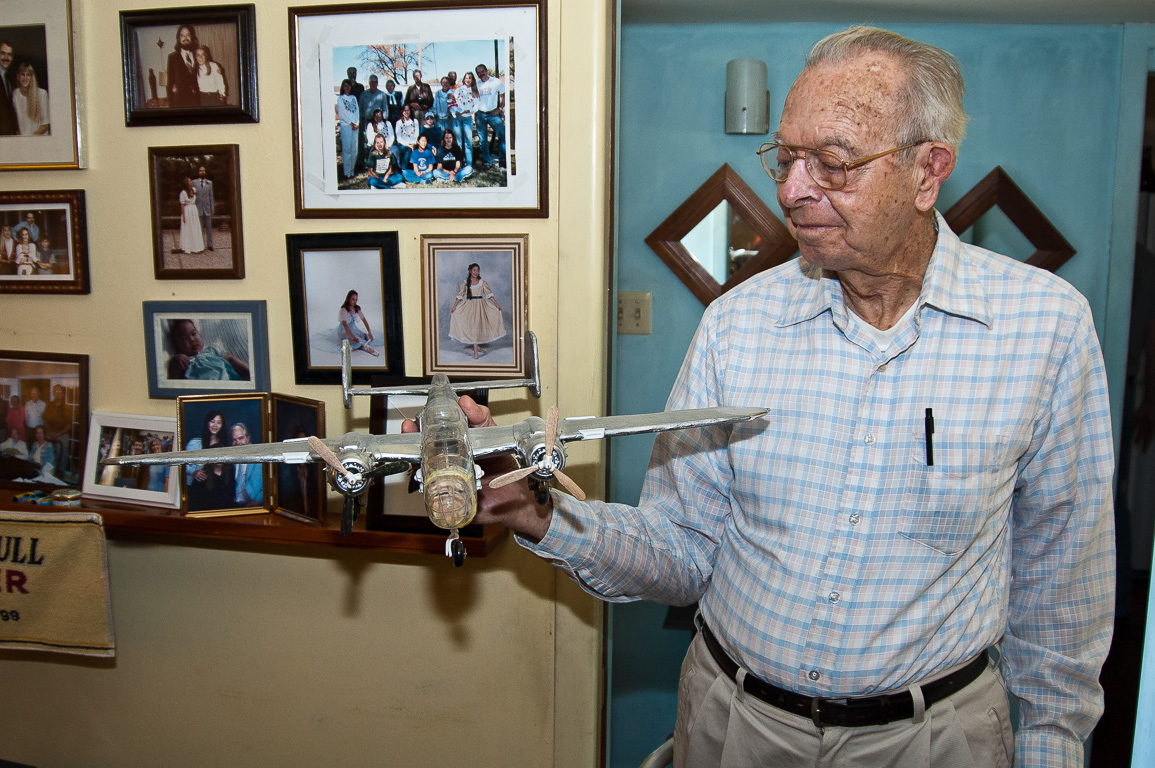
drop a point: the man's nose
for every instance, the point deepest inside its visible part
(798, 186)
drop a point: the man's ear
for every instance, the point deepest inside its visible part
(935, 163)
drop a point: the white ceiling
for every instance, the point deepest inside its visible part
(890, 11)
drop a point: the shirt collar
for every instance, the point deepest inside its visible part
(950, 285)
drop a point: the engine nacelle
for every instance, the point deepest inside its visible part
(358, 464)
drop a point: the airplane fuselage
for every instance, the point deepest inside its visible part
(447, 468)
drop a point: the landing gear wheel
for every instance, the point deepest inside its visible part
(458, 550)
(540, 489)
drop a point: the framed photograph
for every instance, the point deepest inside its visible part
(345, 286)
(477, 69)
(44, 399)
(298, 489)
(184, 66)
(219, 421)
(474, 305)
(202, 347)
(122, 434)
(43, 242)
(196, 212)
(390, 505)
(38, 124)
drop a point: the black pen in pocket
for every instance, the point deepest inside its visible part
(929, 424)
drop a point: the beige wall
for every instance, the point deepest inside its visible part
(303, 656)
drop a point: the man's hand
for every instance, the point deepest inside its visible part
(512, 505)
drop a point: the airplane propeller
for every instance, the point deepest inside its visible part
(328, 456)
(546, 465)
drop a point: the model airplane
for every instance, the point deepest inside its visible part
(446, 447)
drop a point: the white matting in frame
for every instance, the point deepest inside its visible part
(120, 434)
(40, 34)
(325, 41)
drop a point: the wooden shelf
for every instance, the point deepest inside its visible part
(269, 528)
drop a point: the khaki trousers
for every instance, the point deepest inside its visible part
(721, 726)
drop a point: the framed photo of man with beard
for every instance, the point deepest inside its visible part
(194, 65)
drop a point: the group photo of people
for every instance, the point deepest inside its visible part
(195, 65)
(413, 116)
(125, 441)
(221, 423)
(34, 243)
(24, 107)
(38, 425)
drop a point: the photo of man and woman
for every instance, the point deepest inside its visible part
(220, 422)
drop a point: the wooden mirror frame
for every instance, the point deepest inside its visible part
(777, 243)
(997, 189)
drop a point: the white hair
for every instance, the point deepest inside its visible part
(932, 96)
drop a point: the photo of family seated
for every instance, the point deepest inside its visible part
(432, 115)
(34, 243)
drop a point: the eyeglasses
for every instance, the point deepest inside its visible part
(828, 170)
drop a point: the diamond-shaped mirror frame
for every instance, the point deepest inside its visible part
(997, 189)
(777, 243)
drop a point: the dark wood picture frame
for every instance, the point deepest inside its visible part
(22, 371)
(777, 246)
(237, 48)
(168, 166)
(998, 189)
(370, 265)
(514, 31)
(298, 489)
(58, 215)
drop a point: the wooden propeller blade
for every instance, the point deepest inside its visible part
(512, 477)
(327, 455)
(569, 485)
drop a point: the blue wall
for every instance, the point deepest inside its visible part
(1044, 104)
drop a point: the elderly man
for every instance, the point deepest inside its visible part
(249, 490)
(932, 483)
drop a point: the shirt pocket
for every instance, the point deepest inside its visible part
(944, 506)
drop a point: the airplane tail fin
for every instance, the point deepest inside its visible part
(532, 381)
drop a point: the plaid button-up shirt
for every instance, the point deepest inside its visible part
(830, 558)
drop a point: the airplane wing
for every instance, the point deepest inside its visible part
(598, 427)
(405, 447)
(490, 440)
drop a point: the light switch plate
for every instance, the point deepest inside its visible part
(634, 312)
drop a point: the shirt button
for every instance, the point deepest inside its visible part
(882, 368)
(814, 674)
(855, 519)
(834, 597)
(869, 439)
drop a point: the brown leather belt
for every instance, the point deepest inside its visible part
(847, 711)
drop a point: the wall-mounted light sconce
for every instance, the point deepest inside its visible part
(747, 100)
